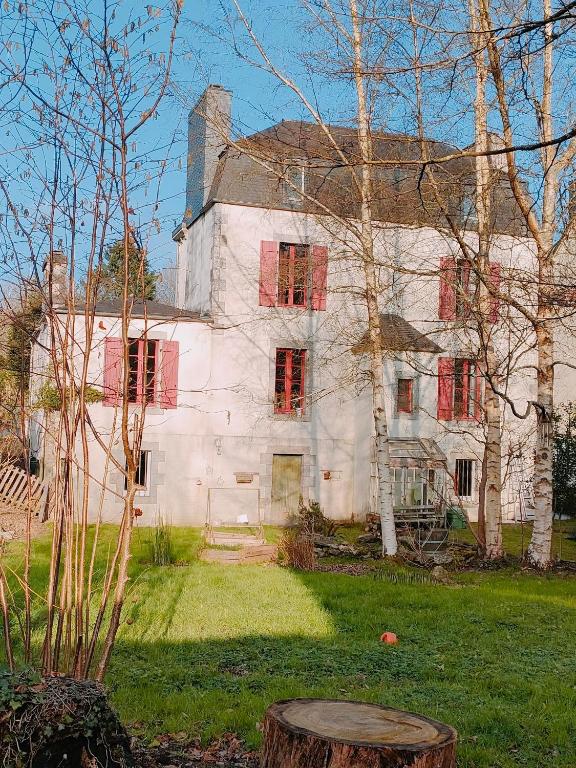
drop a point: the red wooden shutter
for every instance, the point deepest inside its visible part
(478, 393)
(319, 276)
(112, 370)
(268, 273)
(495, 286)
(447, 302)
(445, 388)
(466, 299)
(169, 385)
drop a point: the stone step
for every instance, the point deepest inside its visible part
(265, 553)
(224, 539)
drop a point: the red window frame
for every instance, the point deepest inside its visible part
(465, 389)
(290, 381)
(293, 275)
(143, 364)
(404, 396)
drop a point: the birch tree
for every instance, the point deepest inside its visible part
(350, 24)
(533, 66)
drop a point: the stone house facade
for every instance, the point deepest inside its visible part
(255, 382)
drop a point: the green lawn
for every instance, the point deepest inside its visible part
(210, 646)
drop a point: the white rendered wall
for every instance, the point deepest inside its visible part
(224, 423)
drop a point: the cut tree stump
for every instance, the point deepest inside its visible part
(327, 733)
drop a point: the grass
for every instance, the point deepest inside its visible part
(209, 647)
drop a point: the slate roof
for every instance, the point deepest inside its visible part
(401, 194)
(398, 335)
(152, 310)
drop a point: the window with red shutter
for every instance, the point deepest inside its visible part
(142, 371)
(319, 276)
(169, 374)
(465, 289)
(404, 398)
(464, 388)
(268, 273)
(289, 385)
(459, 389)
(293, 275)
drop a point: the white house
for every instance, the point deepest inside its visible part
(255, 383)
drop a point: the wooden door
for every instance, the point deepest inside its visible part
(286, 486)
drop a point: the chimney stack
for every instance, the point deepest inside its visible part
(209, 125)
(55, 270)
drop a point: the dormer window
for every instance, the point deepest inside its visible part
(468, 213)
(295, 184)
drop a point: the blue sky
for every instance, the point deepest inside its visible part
(204, 55)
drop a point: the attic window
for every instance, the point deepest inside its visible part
(468, 212)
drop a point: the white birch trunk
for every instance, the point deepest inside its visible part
(540, 548)
(389, 542)
(492, 534)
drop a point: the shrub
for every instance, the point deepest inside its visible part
(50, 398)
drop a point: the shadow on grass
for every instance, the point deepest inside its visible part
(494, 662)
(214, 687)
(210, 647)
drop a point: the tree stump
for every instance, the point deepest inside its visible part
(326, 733)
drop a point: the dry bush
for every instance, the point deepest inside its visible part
(297, 550)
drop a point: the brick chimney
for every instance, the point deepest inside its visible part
(208, 131)
(55, 270)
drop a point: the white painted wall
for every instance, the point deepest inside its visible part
(225, 423)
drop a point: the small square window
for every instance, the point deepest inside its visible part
(142, 474)
(464, 478)
(404, 396)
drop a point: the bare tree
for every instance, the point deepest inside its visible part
(90, 80)
(532, 68)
